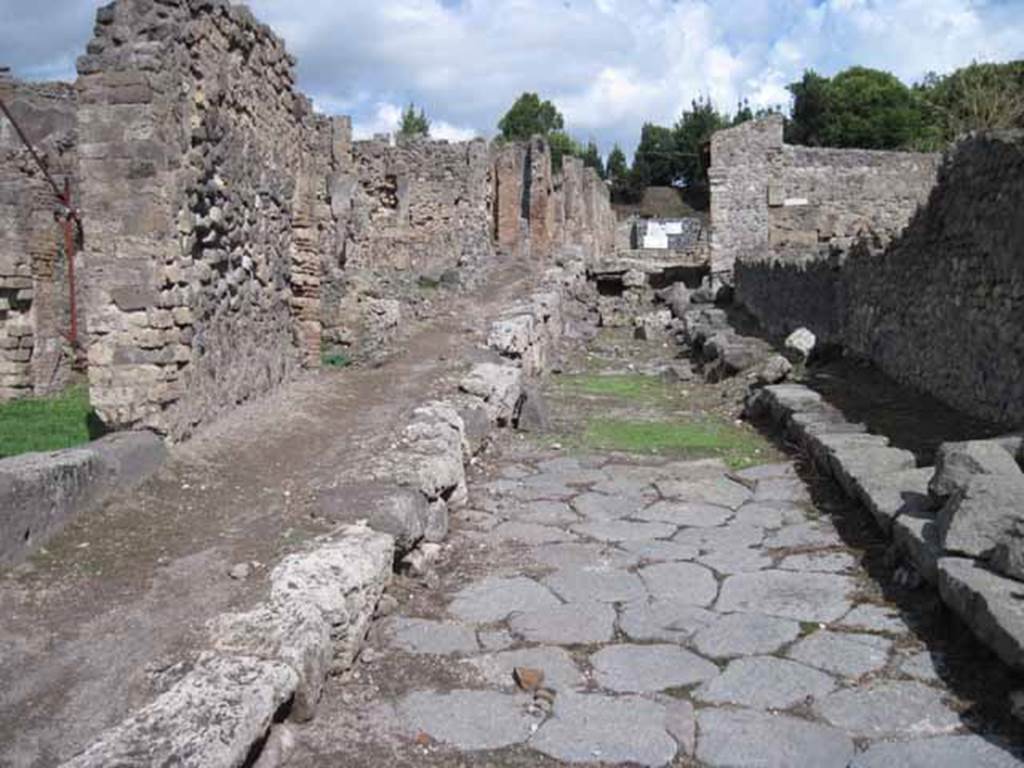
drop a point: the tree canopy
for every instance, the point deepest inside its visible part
(414, 123)
(529, 117)
(591, 157)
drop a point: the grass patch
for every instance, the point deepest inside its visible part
(738, 447)
(628, 386)
(47, 423)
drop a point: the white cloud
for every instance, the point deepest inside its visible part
(610, 65)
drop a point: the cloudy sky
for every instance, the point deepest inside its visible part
(609, 65)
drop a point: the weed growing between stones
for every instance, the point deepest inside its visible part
(47, 423)
(335, 360)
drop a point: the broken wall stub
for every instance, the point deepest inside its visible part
(203, 175)
(35, 356)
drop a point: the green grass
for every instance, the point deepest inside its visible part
(634, 387)
(47, 423)
(737, 446)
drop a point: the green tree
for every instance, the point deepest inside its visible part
(592, 159)
(656, 162)
(414, 123)
(562, 145)
(692, 133)
(859, 107)
(810, 110)
(623, 189)
(529, 117)
(975, 98)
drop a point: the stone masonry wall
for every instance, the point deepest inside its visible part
(941, 307)
(203, 174)
(770, 197)
(35, 358)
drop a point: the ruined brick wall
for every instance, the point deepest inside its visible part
(35, 358)
(204, 184)
(511, 195)
(941, 307)
(769, 197)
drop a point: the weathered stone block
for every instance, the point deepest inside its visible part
(983, 515)
(957, 463)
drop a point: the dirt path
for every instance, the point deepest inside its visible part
(93, 625)
(730, 610)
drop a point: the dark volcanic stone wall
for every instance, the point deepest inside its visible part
(941, 307)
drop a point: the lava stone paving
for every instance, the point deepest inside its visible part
(681, 614)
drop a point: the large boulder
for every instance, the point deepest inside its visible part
(394, 510)
(775, 370)
(957, 463)
(983, 515)
(499, 386)
(652, 326)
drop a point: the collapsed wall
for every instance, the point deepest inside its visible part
(909, 261)
(35, 357)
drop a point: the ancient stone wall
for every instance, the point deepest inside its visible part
(941, 307)
(35, 358)
(203, 174)
(770, 197)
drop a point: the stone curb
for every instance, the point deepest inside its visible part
(894, 490)
(41, 492)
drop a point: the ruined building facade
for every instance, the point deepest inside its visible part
(910, 261)
(229, 230)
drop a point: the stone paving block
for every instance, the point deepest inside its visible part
(789, 489)
(720, 491)
(576, 555)
(530, 533)
(649, 668)
(539, 488)
(771, 514)
(623, 530)
(822, 562)
(889, 496)
(728, 562)
(589, 728)
(544, 513)
(846, 654)
(573, 624)
(659, 551)
(767, 471)
(494, 598)
(727, 537)
(889, 709)
(821, 597)
(988, 603)
(870, 617)
(595, 584)
(685, 514)
(430, 637)
(941, 752)
(766, 682)
(598, 506)
(925, 666)
(745, 634)
(467, 720)
(560, 671)
(813, 533)
(746, 739)
(680, 582)
(626, 486)
(664, 620)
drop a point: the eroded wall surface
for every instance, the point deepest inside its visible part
(35, 358)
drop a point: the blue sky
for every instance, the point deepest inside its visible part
(609, 65)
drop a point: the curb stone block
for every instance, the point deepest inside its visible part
(990, 604)
(209, 719)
